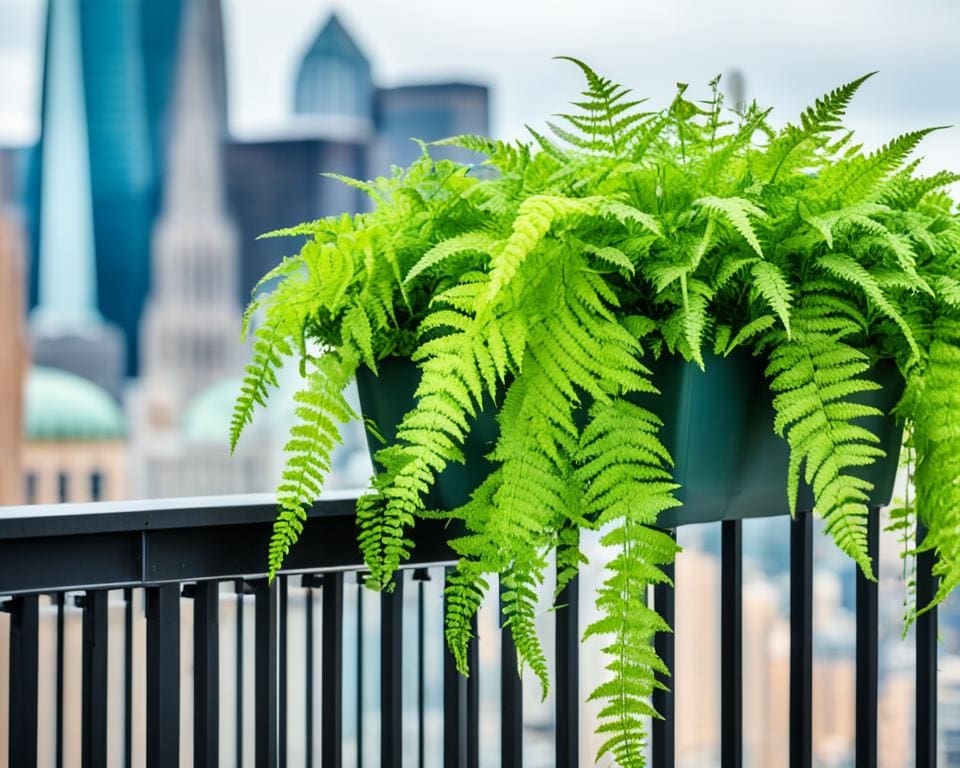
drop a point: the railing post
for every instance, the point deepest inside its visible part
(206, 674)
(24, 667)
(266, 748)
(282, 661)
(801, 640)
(867, 652)
(663, 731)
(128, 678)
(331, 685)
(731, 645)
(94, 725)
(163, 676)
(926, 637)
(568, 675)
(461, 704)
(511, 698)
(391, 675)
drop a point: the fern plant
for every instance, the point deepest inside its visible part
(553, 282)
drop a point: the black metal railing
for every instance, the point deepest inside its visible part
(185, 550)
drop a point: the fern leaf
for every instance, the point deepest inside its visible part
(822, 118)
(772, 285)
(479, 242)
(814, 374)
(319, 408)
(737, 211)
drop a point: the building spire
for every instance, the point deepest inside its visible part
(67, 279)
(190, 330)
(198, 117)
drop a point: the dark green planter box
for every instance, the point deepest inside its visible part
(718, 426)
(386, 398)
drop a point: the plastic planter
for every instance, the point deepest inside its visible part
(718, 427)
(387, 398)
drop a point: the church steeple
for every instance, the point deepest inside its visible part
(67, 280)
(198, 115)
(190, 333)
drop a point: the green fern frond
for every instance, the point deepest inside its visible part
(623, 465)
(480, 242)
(860, 178)
(845, 268)
(771, 284)
(816, 376)
(535, 217)
(931, 400)
(737, 211)
(320, 407)
(816, 121)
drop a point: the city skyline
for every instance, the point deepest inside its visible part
(689, 40)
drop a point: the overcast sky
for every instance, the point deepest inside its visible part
(790, 52)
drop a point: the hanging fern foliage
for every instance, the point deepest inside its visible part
(545, 285)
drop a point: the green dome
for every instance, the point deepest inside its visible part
(62, 406)
(207, 416)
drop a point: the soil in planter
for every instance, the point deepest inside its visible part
(718, 427)
(387, 398)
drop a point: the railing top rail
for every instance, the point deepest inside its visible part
(42, 520)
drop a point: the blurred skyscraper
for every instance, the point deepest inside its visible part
(429, 112)
(67, 330)
(126, 56)
(342, 123)
(334, 77)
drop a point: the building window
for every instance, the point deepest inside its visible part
(96, 486)
(30, 488)
(63, 487)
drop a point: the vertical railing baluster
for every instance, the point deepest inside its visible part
(926, 638)
(511, 697)
(266, 601)
(473, 698)
(24, 668)
(454, 704)
(391, 675)
(61, 607)
(163, 676)
(128, 678)
(308, 582)
(282, 662)
(360, 656)
(331, 684)
(867, 651)
(94, 723)
(206, 674)
(568, 675)
(421, 575)
(801, 640)
(663, 731)
(240, 589)
(731, 645)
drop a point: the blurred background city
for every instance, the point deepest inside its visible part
(144, 144)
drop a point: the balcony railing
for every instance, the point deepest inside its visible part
(185, 550)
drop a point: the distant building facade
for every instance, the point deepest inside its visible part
(74, 440)
(428, 112)
(13, 354)
(289, 189)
